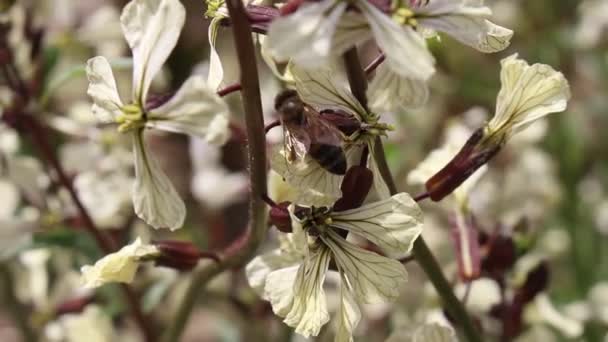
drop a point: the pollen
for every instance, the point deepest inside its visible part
(132, 117)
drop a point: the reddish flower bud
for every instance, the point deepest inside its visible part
(344, 121)
(74, 305)
(536, 282)
(180, 255)
(355, 186)
(500, 255)
(471, 157)
(279, 216)
(290, 7)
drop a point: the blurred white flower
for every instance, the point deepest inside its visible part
(593, 22)
(484, 293)
(598, 300)
(91, 325)
(151, 28)
(119, 267)
(543, 311)
(102, 30)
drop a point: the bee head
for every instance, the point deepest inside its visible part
(289, 104)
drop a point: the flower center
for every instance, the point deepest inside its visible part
(132, 117)
(405, 16)
(317, 221)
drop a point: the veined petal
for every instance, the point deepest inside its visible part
(373, 278)
(527, 94)
(314, 184)
(192, 110)
(393, 224)
(348, 315)
(391, 92)
(102, 89)
(155, 200)
(352, 29)
(405, 50)
(326, 88)
(151, 28)
(307, 311)
(467, 23)
(312, 26)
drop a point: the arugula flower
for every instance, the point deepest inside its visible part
(292, 277)
(151, 28)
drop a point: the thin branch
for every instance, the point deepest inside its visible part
(423, 255)
(15, 307)
(375, 63)
(242, 250)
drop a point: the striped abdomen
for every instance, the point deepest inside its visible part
(330, 157)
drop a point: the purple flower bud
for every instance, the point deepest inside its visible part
(180, 255)
(464, 235)
(279, 216)
(471, 157)
(500, 255)
(355, 186)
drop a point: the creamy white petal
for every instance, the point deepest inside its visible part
(326, 88)
(261, 266)
(467, 22)
(302, 300)
(192, 110)
(433, 332)
(306, 35)
(527, 94)
(155, 200)
(393, 224)
(352, 29)
(373, 278)
(216, 71)
(405, 50)
(102, 89)
(348, 315)
(314, 184)
(151, 28)
(379, 185)
(119, 266)
(391, 92)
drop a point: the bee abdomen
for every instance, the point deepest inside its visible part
(330, 157)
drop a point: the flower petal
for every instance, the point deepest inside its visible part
(352, 29)
(314, 184)
(405, 50)
(102, 89)
(151, 28)
(393, 224)
(326, 88)
(373, 278)
(391, 92)
(380, 188)
(467, 23)
(196, 110)
(155, 200)
(311, 26)
(307, 311)
(348, 315)
(433, 332)
(117, 267)
(527, 94)
(216, 71)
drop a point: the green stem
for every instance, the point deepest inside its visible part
(242, 250)
(422, 253)
(14, 306)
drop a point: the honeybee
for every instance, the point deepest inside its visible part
(307, 133)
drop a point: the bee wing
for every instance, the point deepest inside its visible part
(320, 131)
(296, 141)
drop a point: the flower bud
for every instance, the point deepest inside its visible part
(279, 216)
(180, 255)
(465, 237)
(345, 122)
(536, 282)
(473, 155)
(355, 186)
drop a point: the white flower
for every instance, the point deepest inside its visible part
(151, 28)
(466, 21)
(543, 311)
(292, 277)
(528, 93)
(119, 267)
(328, 29)
(427, 332)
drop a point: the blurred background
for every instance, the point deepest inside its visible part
(548, 187)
